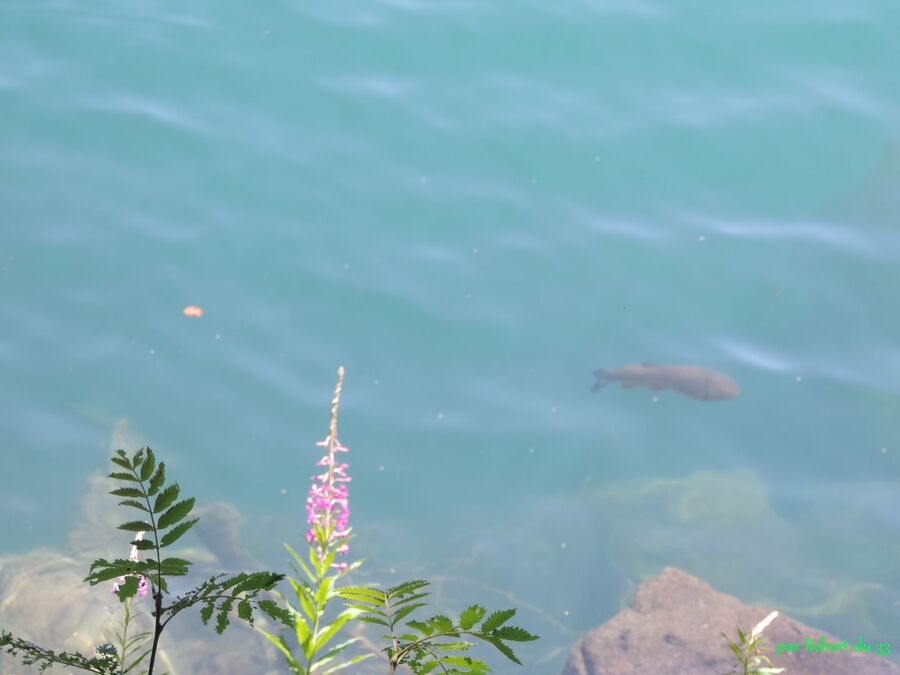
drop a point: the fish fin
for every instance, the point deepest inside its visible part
(602, 380)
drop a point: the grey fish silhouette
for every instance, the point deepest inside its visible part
(693, 381)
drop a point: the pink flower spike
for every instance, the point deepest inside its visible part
(327, 503)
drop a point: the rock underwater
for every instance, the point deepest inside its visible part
(673, 626)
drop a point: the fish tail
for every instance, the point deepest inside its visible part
(602, 380)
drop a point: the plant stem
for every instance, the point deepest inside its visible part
(312, 637)
(396, 656)
(157, 629)
(124, 634)
(157, 596)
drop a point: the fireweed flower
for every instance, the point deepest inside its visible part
(143, 583)
(327, 504)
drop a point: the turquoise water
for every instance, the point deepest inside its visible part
(470, 206)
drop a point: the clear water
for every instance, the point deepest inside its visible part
(471, 206)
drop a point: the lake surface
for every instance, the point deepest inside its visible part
(471, 206)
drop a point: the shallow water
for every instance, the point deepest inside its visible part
(471, 206)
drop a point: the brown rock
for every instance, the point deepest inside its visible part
(674, 625)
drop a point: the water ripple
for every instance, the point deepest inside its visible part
(158, 111)
(754, 355)
(829, 235)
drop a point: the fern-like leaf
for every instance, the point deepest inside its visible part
(497, 619)
(158, 479)
(176, 532)
(178, 512)
(166, 498)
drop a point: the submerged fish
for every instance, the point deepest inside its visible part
(693, 381)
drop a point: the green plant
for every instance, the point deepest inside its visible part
(328, 512)
(166, 519)
(104, 661)
(748, 649)
(436, 642)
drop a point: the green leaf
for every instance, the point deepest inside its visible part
(460, 646)
(244, 582)
(303, 565)
(410, 598)
(127, 492)
(471, 616)
(273, 611)
(120, 475)
(425, 628)
(373, 619)
(406, 587)
(328, 560)
(441, 623)
(156, 482)
(401, 613)
(206, 612)
(346, 664)
(362, 594)
(365, 608)
(133, 503)
(244, 610)
(305, 603)
(332, 653)
(166, 498)
(502, 648)
(329, 631)
(127, 589)
(175, 533)
(222, 617)
(143, 544)
(176, 513)
(104, 570)
(301, 631)
(514, 633)
(324, 591)
(136, 526)
(467, 662)
(497, 619)
(148, 465)
(174, 566)
(122, 462)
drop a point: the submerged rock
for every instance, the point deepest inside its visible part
(673, 626)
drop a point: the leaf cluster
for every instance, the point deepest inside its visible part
(436, 642)
(31, 654)
(313, 588)
(748, 649)
(164, 517)
(221, 593)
